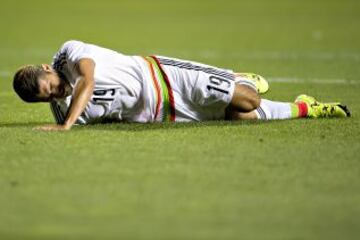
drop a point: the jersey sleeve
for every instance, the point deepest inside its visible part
(70, 54)
(75, 50)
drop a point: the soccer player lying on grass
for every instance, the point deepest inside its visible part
(90, 84)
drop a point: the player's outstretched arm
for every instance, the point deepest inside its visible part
(82, 93)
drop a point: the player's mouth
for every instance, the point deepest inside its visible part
(59, 94)
(63, 91)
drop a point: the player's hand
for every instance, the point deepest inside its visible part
(52, 127)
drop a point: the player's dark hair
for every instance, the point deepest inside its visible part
(26, 83)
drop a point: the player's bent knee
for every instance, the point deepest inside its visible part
(256, 101)
(253, 102)
(245, 99)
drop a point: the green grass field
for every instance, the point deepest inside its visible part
(216, 180)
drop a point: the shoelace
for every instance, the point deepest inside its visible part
(325, 110)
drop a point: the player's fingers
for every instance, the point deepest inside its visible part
(40, 128)
(51, 128)
(44, 128)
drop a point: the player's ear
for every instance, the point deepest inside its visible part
(46, 67)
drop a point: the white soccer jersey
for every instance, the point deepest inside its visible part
(144, 89)
(118, 84)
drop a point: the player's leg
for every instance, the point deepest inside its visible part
(244, 99)
(271, 110)
(304, 106)
(246, 95)
(202, 92)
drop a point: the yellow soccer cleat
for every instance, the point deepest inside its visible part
(262, 86)
(323, 110)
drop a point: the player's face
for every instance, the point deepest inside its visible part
(51, 86)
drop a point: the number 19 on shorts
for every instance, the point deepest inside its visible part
(219, 84)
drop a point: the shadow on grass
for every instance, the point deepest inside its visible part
(22, 124)
(136, 127)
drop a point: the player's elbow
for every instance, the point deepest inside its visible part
(85, 84)
(89, 84)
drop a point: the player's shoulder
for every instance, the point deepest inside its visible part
(74, 50)
(72, 44)
(66, 49)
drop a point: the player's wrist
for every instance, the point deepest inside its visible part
(67, 126)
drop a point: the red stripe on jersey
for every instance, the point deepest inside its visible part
(171, 95)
